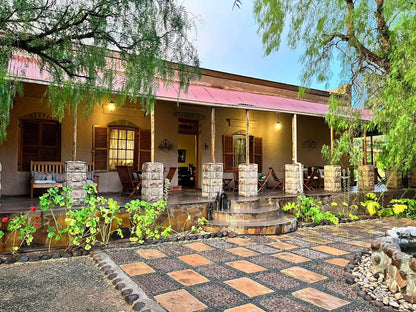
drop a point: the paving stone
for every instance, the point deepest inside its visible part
(320, 299)
(188, 277)
(195, 260)
(219, 256)
(309, 253)
(360, 244)
(347, 247)
(220, 244)
(245, 308)
(199, 247)
(216, 271)
(342, 288)
(264, 249)
(174, 249)
(283, 245)
(318, 240)
(270, 262)
(261, 239)
(338, 261)
(330, 250)
(150, 253)
(154, 283)
(285, 304)
(303, 274)
(180, 300)
(245, 266)
(240, 241)
(242, 252)
(277, 280)
(137, 268)
(248, 287)
(167, 264)
(215, 295)
(120, 256)
(300, 243)
(291, 257)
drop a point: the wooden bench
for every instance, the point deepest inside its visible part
(52, 168)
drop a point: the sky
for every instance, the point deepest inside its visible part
(227, 40)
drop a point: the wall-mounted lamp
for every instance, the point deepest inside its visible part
(206, 146)
(111, 106)
(165, 144)
(277, 125)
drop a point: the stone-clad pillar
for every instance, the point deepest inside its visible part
(394, 180)
(152, 185)
(332, 178)
(293, 178)
(212, 174)
(247, 179)
(366, 178)
(76, 179)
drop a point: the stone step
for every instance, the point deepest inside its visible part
(283, 224)
(258, 214)
(242, 204)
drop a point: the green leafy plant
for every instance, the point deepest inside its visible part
(371, 204)
(144, 220)
(308, 210)
(21, 229)
(346, 210)
(404, 208)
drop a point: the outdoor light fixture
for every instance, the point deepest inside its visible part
(277, 124)
(111, 106)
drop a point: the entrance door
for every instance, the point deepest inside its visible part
(187, 153)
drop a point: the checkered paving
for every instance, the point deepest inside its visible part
(299, 271)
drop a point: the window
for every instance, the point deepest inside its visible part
(39, 140)
(234, 151)
(118, 145)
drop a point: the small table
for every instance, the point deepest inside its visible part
(225, 183)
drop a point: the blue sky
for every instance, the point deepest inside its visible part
(227, 40)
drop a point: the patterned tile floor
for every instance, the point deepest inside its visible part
(299, 271)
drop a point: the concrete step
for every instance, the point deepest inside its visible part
(258, 214)
(284, 223)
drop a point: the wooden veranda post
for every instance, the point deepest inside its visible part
(294, 139)
(152, 135)
(332, 141)
(365, 147)
(213, 134)
(248, 137)
(372, 150)
(74, 135)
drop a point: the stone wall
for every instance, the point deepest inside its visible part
(247, 179)
(366, 178)
(152, 185)
(394, 180)
(332, 178)
(212, 174)
(75, 177)
(293, 178)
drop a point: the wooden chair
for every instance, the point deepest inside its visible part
(130, 185)
(308, 180)
(263, 183)
(235, 178)
(171, 173)
(278, 183)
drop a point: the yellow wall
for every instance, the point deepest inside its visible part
(277, 144)
(187, 142)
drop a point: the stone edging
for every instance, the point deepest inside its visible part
(361, 292)
(131, 292)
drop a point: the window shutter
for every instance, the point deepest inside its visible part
(258, 153)
(145, 147)
(100, 147)
(228, 152)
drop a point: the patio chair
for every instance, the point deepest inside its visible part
(171, 173)
(263, 183)
(235, 178)
(278, 183)
(130, 185)
(308, 180)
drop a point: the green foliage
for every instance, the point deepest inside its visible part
(401, 208)
(21, 229)
(83, 46)
(373, 43)
(309, 210)
(346, 210)
(371, 204)
(144, 220)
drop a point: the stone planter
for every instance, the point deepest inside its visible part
(366, 178)
(212, 175)
(293, 178)
(332, 178)
(247, 179)
(394, 180)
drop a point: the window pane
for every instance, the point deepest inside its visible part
(114, 134)
(130, 135)
(122, 134)
(130, 145)
(122, 145)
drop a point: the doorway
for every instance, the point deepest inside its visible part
(187, 153)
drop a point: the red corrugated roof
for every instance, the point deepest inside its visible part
(28, 68)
